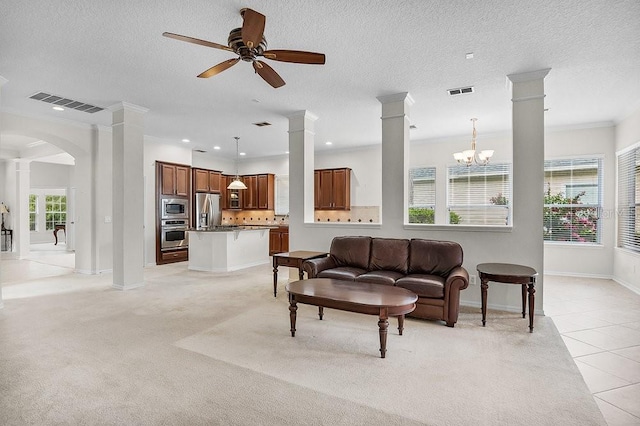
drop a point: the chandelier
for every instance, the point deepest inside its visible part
(237, 183)
(471, 156)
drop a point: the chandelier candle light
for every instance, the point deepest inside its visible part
(237, 183)
(470, 156)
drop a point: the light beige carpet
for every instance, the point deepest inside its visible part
(500, 374)
(194, 348)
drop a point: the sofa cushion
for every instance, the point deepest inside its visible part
(380, 277)
(346, 273)
(389, 254)
(351, 251)
(424, 285)
(434, 257)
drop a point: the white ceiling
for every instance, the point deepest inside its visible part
(104, 52)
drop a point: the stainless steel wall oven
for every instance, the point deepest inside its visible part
(174, 234)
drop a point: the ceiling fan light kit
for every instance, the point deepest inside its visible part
(249, 43)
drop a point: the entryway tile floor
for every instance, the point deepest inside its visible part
(599, 321)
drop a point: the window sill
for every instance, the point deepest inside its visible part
(461, 228)
(562, 244)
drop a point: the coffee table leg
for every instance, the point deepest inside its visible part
(524, 299)
(400, 324)
(532, 292)
(320, 312)
(293, 307)
(383, 324)
(300, 273)
(483, 290)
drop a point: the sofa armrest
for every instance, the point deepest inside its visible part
(314, 266)
(458, 278)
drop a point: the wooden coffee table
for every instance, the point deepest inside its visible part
(292, 259)
(363, 298)
(509, 274)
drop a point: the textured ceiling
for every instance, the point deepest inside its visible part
(111, 51)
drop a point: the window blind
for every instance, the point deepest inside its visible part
(572, 200)
(479, 195)
(629, 199)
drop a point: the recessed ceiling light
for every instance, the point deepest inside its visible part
(469, 55)
(243, 153)
(58, 108)
(186, 140)
(286, 152)
(328, 143)
(216, 148)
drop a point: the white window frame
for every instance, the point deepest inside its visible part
(628, 202)
(429, 175)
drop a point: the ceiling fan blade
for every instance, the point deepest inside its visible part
(197, 41)
(296, 56)
(217, 69)
(252, 27)
(268, 74)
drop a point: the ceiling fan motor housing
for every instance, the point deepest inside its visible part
(235, 42)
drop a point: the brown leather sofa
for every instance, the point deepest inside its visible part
(431, 269)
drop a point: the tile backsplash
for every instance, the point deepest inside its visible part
(357, 214)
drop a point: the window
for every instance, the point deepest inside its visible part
(479, 195)
(629, 199)
(422, 194)
(56, 211)
(33, 212)
(572, 200)
(282, 195)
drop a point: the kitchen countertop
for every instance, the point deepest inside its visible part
(229, 228)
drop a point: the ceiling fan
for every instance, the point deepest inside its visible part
(249, 44)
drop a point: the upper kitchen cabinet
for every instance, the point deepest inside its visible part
(250, 195)
(206, 180)
(266, 185)
(259, 195)
(174, 179)
(332, 189)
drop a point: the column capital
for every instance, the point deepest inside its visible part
(302, 121)
(303, 113)
(528, 76)
(127, 106)
(396, 97)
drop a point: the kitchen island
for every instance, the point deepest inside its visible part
(226, 248)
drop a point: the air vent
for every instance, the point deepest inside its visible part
(412, 126)
(262, 124)
(199, 150)
(65, 102)
(460, 90)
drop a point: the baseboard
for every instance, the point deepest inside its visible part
(127, 286)
(578, 275)
(105, 271)
(627, 285)
(506, 308)
(84, 271)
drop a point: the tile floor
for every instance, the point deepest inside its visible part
(599, 321)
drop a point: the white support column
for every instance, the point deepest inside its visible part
(2, 83)
(528, 168)
(301, 166)
(128, 196)
(20, 213)
(395, 159)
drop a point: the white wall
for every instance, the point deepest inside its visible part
(626, 264)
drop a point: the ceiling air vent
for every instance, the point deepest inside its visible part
(65, 102)
(199, 150)
(460, 91)
(262, 124)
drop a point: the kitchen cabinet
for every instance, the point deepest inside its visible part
(266, 185)
(206, 180)
(174, 179)
(278, 240)
(259, 195)
(250, 195)
(332, 189)
(232, 198)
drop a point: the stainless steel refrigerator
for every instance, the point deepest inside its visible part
(208, 213)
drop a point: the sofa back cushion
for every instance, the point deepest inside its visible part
(434, 257)
(389, 254)
(351, 251)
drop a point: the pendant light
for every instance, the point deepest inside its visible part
(471, 156)
(237, 183)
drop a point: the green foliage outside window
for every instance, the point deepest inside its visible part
(427, 215)
(33, 208)
(55, 211)
(565, 220)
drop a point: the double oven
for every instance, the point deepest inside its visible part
(174, 225)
